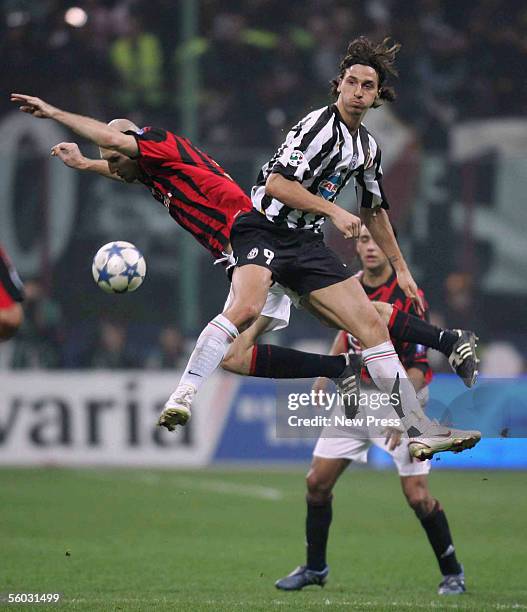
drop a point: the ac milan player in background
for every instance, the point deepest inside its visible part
(333, 452)
(201, 197)
(11, 295)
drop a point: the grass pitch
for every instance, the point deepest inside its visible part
(217, 540)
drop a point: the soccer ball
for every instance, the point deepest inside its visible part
(118, 267)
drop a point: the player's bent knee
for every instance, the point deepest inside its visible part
(318, 489)
(236, 363)
(373, 331)
(419, 499)
(243, 315)
(385, 311)
(422, 507)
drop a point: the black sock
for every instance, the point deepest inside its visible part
(438, 532)
(318, 520)
(271, 361)
(406, 327)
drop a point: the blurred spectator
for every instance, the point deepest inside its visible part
(110, 350)
(501, 360)
(137, 57)
(170, 351)
(39, 341)
(257, 72)
(461, 307)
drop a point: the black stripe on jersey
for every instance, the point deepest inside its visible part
(206, 160)
(367, 196)
(267, 200)
(316, 162)
(153, 134)
(354, 139)
(317, 127)
(307, 139)
(187, 158)
(281, 217)
(206, 229)
(334, 160)
(365, 143)
(184, 154)
(359, 180)
(261, 178)
(178, 194)
(317, 219)
(15, 290)
(188, 180)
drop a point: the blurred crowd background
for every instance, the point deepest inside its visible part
(234, 75)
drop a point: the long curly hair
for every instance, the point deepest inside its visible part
(380, 56)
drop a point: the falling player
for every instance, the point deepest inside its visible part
(337, 448)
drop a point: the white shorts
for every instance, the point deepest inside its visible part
(277, 307)
(356, 450)
(356, 445)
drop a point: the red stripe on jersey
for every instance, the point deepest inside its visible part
(216, 244)
(253, 360)
(5, 299)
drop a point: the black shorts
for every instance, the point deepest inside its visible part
(298, 259)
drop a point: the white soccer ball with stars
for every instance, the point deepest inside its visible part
(119, 267)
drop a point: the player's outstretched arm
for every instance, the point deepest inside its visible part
(98, 132)
(378, 223)
(294, 195)
(69, 153)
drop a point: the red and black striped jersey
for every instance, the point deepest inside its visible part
(196, 190)
(411, 355)
(11, 288)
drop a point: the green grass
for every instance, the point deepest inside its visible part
(217, 540)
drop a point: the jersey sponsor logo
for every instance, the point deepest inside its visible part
(296, 158)
(252, 253)
(328, 187)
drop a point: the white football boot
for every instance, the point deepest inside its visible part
(177, 409)
(437, 438)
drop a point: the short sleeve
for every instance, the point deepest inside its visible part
(156, 145)
(370, 193)
(303, 154)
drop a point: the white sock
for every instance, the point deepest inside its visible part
(384, 367)
(209, 351)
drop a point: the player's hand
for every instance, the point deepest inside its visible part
(393, 437)
(70, 154)
(349, 225)
(34, 106)
(409, 286)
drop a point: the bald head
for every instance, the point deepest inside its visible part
(123, 125)
(119, 163)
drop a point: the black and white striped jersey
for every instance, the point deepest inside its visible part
(321, 154)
